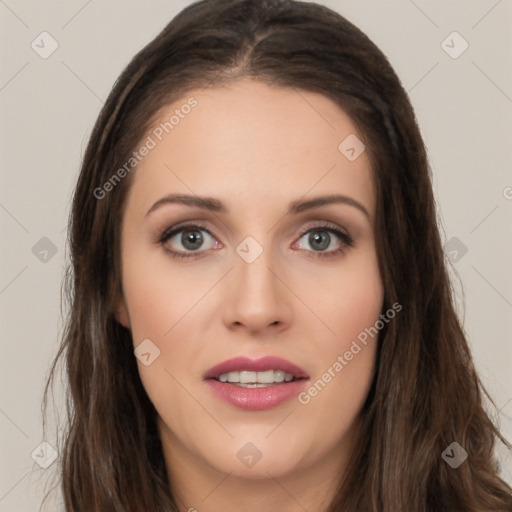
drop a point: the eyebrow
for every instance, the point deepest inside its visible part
(295, 207)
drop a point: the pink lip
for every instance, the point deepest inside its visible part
(256, 399)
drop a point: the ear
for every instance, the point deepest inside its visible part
(121, 311)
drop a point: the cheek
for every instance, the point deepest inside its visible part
(349, 304)
(168, 306)
(345, 298)
(335, 395)
(163, 302)
(161, 295)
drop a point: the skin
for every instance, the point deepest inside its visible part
(255, 148)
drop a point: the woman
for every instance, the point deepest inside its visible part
(260, 313)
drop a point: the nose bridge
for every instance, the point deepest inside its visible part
(253, 275)
(257, 297)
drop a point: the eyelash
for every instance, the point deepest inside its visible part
(345, 239)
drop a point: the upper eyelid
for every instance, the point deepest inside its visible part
(174, 230)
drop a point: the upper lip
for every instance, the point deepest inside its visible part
(255, 365)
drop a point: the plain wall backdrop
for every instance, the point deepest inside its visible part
(49, 102)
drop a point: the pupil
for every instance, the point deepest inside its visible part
(192, 240)
(322, 241)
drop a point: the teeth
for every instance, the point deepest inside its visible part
(279, 376)
(266, 377)
(248, 377)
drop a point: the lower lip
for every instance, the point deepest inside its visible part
(256, 399)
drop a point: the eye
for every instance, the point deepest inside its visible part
(320, 240)
(188, 239)
(193, 240)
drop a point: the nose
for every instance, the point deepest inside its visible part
(257, 298)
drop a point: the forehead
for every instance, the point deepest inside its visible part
(247, 142)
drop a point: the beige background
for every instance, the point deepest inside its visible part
(48, 107)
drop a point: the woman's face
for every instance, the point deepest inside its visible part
(250, 283)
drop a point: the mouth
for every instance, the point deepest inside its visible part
(256, 384)
(250, 379)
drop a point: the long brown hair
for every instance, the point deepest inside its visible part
(425, 394)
